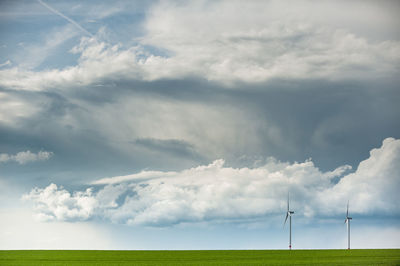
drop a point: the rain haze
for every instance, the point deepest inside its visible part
(185, 124)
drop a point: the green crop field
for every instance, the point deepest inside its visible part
(202, 257)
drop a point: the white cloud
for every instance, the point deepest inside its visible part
(25, 157)
(248, 42)
(144, 175)
(258, 41)
(216, 192)
(98, 61)
(59, 204)
(374, 186)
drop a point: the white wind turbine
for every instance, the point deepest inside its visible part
(289, 214)
(348, 218)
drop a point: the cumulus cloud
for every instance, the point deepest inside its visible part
(269, 40)
(216, 192)
(259, 41)
(57, 203)
(374, 186)
(25, 157)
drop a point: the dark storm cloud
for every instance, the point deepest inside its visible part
(335, 123)
(316, 118)
(332, 122)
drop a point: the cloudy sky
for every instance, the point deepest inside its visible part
(184, 124)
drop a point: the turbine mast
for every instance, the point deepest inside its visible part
(348, 218)
(289, 215)
(348, 234)
(290, 232)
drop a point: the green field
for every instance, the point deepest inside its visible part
(202, 257)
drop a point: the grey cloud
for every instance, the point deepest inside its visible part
(289, 120)
(176, 147)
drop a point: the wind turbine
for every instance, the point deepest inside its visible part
(289, 214)
(348, 218)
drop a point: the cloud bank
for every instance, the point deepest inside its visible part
(196, 39)
(216, 192)
(24, 157)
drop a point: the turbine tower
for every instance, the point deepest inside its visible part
(348, 218)
(289, 214)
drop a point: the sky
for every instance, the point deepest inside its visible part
(185, 124)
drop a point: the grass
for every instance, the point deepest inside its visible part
(201, 257)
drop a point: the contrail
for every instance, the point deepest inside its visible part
(64, 16)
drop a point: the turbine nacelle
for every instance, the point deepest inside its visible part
(289, 213)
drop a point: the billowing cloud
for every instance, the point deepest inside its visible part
(374, 187)
(267, 41)
(259, 41)
(25, 157)
(216, 192)
(57, 203)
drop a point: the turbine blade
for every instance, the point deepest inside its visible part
(288, 201)
(287, 215)
(347, 212)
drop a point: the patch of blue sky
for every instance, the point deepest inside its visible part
(26, 41)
